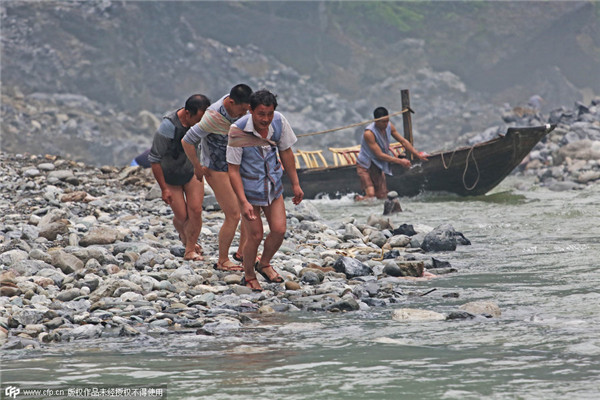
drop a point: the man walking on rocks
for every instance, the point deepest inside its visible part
(374, 158)
(212, 131)
(255, 140)
(175, 173)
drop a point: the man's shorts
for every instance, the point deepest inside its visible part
(217, 150)
(372, 177)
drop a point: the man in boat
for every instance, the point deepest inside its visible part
(255, 140)
(175, 173)
(375, 156)
(212, 132)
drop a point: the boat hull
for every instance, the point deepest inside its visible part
(466, 171)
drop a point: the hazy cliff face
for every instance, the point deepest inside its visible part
(331, 63)
(141, 54)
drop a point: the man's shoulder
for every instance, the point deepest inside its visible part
(166, 128)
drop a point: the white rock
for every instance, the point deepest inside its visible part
(413, 314)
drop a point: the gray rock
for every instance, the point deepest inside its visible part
(68, 295)
(29, 316)
(486, 308)
(404, 268)
(310, 277)
(411, 314)
(13, 257)
(351, 267)
(99, 235)
(399, 241)
(63, 175)
(82, 332)
(53, 273)
(443, 238)
(51, 230)
(67, 263)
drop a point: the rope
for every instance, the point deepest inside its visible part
(470, 153)
(356, 124)
(444, 161)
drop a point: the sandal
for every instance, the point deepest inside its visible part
(197, 247)
(240, 258)
(228, 266)
(248, 284)
(192, 256)
(276, 279)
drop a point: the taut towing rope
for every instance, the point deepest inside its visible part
(356, 124)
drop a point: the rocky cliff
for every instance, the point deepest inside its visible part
(89, 80)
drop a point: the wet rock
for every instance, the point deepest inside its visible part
(351, 267)
(404, 268)
(82, 332)
(392, 204)
(460, 315)
(443, 238)
(485, 308)
(411, 314)
(399, 241)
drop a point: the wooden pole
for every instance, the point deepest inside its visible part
(406, 118)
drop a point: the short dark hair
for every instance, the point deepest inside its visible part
(380, 112)
(240, 93)
(263, 97)
(197, 102)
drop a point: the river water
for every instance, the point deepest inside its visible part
(534, 252)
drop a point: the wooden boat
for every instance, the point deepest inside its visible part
(466, 171)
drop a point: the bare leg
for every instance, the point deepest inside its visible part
(194, 195)
(219, 182)
(275, 214)
(243, 239)
(180, 211)
(254, 235)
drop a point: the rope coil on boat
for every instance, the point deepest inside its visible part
(469, 154)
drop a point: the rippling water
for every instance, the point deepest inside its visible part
(535, 253)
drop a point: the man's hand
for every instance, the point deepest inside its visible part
(206, 172)
(298, 195)
(403, 162)
(248, 211)
(422, 156)
(199, 172)
(167, 196)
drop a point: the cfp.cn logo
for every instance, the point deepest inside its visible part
(12, 391)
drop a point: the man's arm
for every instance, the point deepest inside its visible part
(406, 144)
(160, 178)
(289, 166)
(372, 143)
(235, 178)
(190, 152)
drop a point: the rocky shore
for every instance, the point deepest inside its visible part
(88, 252)
(91, 251)
(566, 159)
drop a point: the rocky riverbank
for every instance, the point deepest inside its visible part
(568, 158)
(88, 252)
